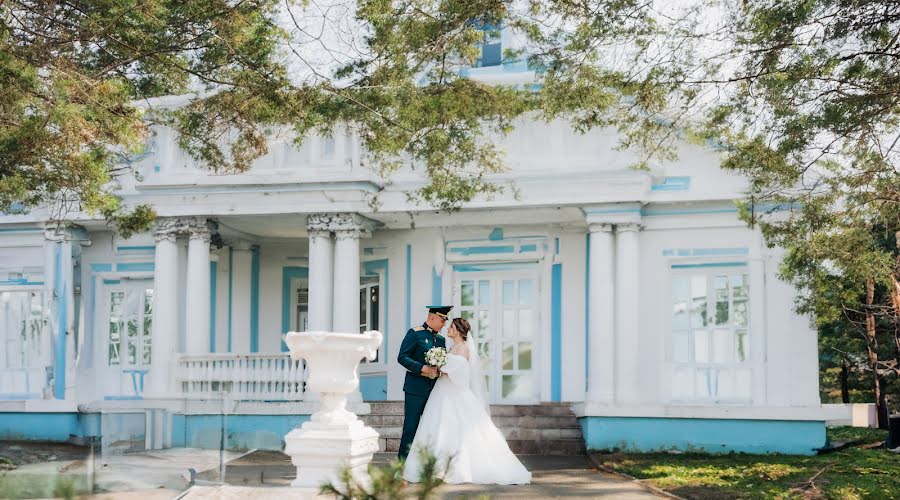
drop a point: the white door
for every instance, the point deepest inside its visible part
(128, 349)
(26, 350)
(502, 308)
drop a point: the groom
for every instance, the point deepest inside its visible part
(420, 377)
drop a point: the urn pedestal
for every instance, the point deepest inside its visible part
(333, 438)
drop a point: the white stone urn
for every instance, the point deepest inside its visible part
(334, 437)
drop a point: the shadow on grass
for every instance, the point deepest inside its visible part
(850, 473)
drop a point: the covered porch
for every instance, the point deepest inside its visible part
(265, 275)
(206, 317)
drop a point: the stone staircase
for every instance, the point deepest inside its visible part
(542, 429)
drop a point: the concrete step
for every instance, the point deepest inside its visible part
(539, 410)
(542, 429)
(382, 420)
(558, 447)
(386, 407)
(543, 409)
(523, 422)
(389, 445)
(536, 422)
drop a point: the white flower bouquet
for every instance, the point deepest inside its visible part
(436, 356)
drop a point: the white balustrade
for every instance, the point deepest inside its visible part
(245, 377)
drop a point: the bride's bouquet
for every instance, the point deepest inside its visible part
(436, 356)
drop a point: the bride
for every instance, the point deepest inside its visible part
(456, 425)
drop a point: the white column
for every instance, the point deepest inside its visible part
(627, 311)
(601, 341)
(181, 244)
(321, 274)
(198, 296)
(165, 314)
(59, 254)
(758, 257)
(241, 261)
(346, 281)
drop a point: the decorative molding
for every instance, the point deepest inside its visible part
(66, 231)
(600, 228)
(318, 233)
(614, 213)
(347, 234)
(628, 228)
(194, 227)
(352, 224)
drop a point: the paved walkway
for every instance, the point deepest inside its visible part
(262, 475)
(553, 477)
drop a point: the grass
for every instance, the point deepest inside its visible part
(862, 435)
(856, 472)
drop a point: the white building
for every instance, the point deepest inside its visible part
(636, 295)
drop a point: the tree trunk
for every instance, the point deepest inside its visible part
(871, 347)
(845, 386)
(895, 302)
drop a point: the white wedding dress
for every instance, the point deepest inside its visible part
(456, 426)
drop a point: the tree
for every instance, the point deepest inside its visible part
(813, 124)
(76, 75)
(803, 98)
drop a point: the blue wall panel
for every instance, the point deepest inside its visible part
(707, 435)
(244, 432)
(58, 427)
(373, 387)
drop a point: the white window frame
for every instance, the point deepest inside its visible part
(494, 307)
(379, 366)
(746, 367)
(30, 362)
(144, 337)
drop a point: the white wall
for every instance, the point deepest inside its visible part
(573, 247)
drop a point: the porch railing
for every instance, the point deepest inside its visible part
(245, 377)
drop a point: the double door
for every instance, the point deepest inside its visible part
(502, 308)
(126, 312)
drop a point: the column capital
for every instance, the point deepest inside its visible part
(630, 227)
(199, 228)
(318, 233)
(195, 227)
(340, 222)
(343, 234)
(600, 227)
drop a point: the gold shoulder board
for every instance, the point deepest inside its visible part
(419, 328)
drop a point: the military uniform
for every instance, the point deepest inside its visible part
(417, 387)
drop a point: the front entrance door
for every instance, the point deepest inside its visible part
(128, 315)
(502, 308)
(27, 350)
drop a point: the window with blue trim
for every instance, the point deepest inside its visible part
(710, 338)
(491, 48)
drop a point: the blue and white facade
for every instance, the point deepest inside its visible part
(636, 295)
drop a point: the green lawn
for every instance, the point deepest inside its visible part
(855, 472)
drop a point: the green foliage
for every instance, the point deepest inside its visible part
(808, 110)
(386, 483)
(860, 435)
(850, 473)
(65, 488)
(75, 77)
